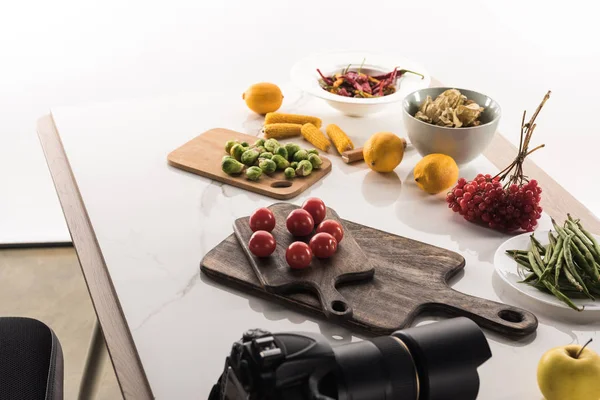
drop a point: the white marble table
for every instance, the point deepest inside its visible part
(154, 223)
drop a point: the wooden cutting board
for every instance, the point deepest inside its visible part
(348, 264)
(411, 279)
(202, 155)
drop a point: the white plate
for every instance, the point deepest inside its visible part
(507, 269)
(304, 74)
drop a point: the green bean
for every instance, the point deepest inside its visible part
(522, 257)
(584, 258)
(572, 270)
(538, 245)
(550, 249)
(559, 264)
(516, 252)
(547, 272)
(558, 229)
(592, 239)
(575, 229)
(584, 239)
(551, 238)
(534, 266)
(563, 297)
(536, 254)
(572, 280)
(556, 251)
(524, 263)
(551, 288)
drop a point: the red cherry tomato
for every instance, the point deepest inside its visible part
(316, 208)
(262, 244)
(300, 223)
(332, 227)
(323, 245)
(262, 220)
(298, 255)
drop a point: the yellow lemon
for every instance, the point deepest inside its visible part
(436, 173)
(263, 97)
(383, 151)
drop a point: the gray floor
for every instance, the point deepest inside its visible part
(47, 284)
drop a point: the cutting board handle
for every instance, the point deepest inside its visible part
(334, 305)
(512, 321)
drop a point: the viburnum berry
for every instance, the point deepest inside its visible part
(507, 201)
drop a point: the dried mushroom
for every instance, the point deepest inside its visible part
(451, 109)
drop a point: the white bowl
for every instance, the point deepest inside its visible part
(304, 75)
(462, 144)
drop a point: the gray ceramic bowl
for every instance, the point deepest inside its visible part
(462, 144)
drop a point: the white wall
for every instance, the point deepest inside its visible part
(68, 52)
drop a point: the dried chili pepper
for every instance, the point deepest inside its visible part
(326, 79)
(359, 84)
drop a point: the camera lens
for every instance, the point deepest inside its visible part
(380, 369)
(430, 362)
(446, 356)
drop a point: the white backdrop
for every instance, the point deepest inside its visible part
(73, 52)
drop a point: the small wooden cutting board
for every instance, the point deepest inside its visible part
(349, 263)
(202, 156)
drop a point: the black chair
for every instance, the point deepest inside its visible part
(31, 361)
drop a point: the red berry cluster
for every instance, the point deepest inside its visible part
(486, 201)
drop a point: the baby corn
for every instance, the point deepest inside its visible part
(315, 137)
(281, 131)
(340, 140)
(279, 118)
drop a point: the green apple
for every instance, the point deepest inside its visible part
(570, 373)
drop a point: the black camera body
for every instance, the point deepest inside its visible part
(437, 361)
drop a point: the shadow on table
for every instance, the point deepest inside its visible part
(430, 214)
(565, 320)
(274, 311)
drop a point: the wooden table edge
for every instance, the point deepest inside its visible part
(119, 341)
(556, 201)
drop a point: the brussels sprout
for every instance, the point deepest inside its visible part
(282, 152)
(281, 162)
(260, 149)
(245, 144)
(236, 151)
(249, 157)
(253, 173)
(304, 168)
(294, 164)
(312, 151)
(271, 145)
(315, 160)
(301, 155)
(229, 144)
(290, 173)
(259, 143)
(266, 154)
(231, 166)
(291, 148)
(226, 157)
(268, 166)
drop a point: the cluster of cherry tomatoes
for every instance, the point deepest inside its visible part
(300, 223)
